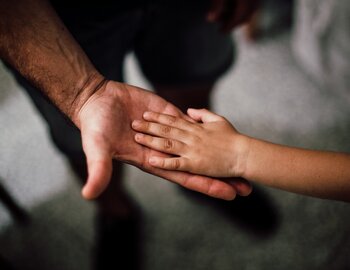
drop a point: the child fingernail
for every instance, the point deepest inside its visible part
(138, 137)
(136, 123)
(146, 114)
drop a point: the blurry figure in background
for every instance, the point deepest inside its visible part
(74, 53)
(213, 147)
(321, 43)
(230, 14)
(269, 19)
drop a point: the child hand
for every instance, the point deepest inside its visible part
(210, 147)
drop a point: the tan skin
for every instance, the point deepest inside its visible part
(212, 146)
(38, 45)
(102, 135)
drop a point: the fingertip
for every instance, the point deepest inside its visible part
(193, 113)
(230, 194)
(191, 110)
(93, 187)
(242, 186)
(232, 197)
(135, 124)
(92, 190)
(147, 115)
(138, 137)
(87, 194)
(99, 175)
(221, 190)
(203, 115)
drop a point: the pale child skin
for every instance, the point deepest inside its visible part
(208, 144)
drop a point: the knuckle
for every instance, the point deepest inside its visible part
(197, 128)
(165, 130)
(168, 144)
(175, 164)
(146, 125)
(155, 116)
(171, 120)
(149, 139)
(184, 164)
(162, 163)
(195, 140)
(210, 191)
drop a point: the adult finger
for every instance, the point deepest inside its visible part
(99, 163)
(242, 186)
(203, 184)
(173, 164)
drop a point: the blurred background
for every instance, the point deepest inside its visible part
(290, 85)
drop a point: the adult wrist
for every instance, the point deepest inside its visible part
(85, 89)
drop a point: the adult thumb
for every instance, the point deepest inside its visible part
(99, 163)
(203, 115)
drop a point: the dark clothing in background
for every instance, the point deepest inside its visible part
(173, 43)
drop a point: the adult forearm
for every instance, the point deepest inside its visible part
(315, 173)
(36, 43)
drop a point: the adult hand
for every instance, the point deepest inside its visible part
(105, 124)
(231, 13)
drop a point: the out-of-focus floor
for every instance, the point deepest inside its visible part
(265, 95)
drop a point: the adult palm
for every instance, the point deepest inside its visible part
(105, 123)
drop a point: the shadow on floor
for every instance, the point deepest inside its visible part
(42, 243)
(256, 214)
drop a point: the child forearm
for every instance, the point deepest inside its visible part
(315, 173)
(212, 146)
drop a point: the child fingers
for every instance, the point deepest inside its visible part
(173, 164)
(168, 120)
(165, 145)
(158, 129)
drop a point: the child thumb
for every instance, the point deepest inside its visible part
(203, 115)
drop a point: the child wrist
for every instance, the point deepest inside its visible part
(241, 149)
